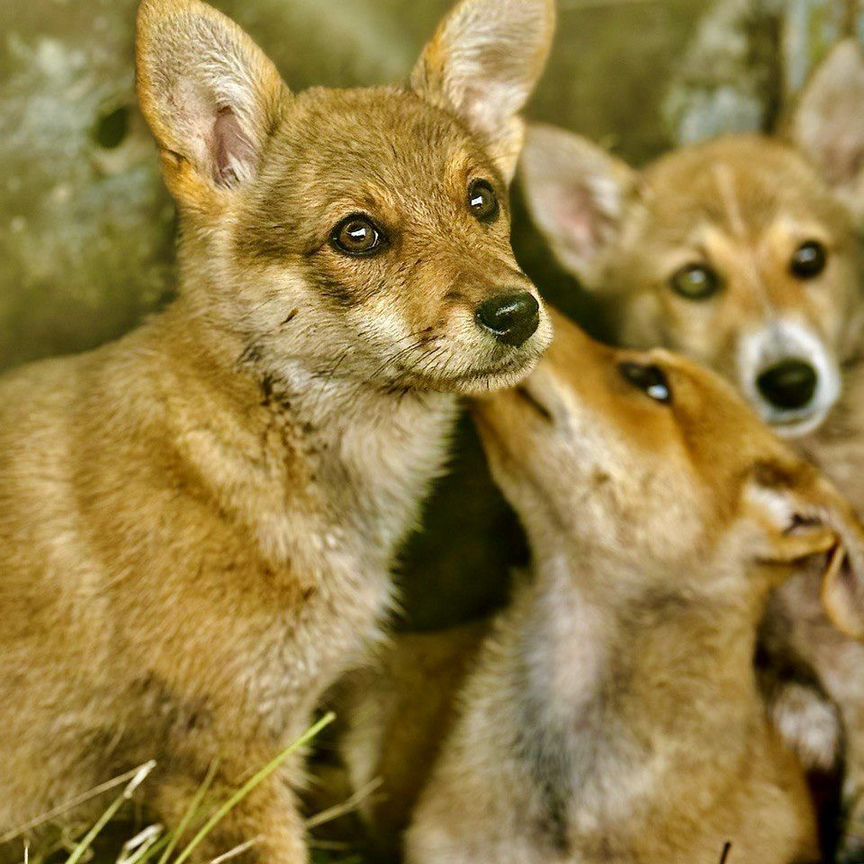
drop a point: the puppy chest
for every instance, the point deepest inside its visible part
(296, 651)
(373, 475)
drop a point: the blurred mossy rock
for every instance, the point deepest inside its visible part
(749, 61)
(87, 230)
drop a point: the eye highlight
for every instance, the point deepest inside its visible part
(482, 201)
(650, 379)
(358, 236)
(809, 260)
(696, 282)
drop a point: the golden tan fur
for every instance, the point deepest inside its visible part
(613, 713)
(742, 205)
(197, 522)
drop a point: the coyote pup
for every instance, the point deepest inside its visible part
(197, 522)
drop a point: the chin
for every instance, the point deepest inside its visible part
(800, 427)
(480, 381)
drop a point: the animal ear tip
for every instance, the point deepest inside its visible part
(845, 58)
(147, 14)
(147, 8)
(153, 14)
(152, 10)
(540, 16)
(152, 17)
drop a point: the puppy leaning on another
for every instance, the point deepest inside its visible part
(612, 712)
(197, 522)
(745, 253)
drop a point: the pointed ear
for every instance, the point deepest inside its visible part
(828, 125)
(803, 515)
(210, 95)
(482, 66)
(576, 194)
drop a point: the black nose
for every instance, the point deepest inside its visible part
(788, 385)
(512, 318)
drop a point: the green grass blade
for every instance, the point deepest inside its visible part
(95, 792)
(251, 784)
(87, 841)
(189, 815)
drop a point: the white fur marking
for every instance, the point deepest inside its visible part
(785, 340)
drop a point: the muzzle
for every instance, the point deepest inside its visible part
(790, 377)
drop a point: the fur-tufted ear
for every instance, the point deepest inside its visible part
(576, 193)
(804, 515)
(828, 125)
(482, 65)
(210, 95)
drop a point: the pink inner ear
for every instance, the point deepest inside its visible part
(234, 153)
(584, 221)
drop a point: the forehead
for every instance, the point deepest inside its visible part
(739, 184)
(378, 138)
(721, 432)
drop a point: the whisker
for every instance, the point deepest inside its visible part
(393, 358)
(427, 364)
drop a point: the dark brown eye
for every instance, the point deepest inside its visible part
(696, 282)
(650, 379)
(809, 260)
(358, 235)
(482, 201)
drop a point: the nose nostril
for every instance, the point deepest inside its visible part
(788, 385)
(511, 318)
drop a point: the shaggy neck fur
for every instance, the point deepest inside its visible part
(622, 688)
(328, 459)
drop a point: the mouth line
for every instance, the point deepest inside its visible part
(796, 425)
(791, 416)
(794, 420)
(510, 365)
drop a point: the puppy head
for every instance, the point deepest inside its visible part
(741, 253)
(656, 463)
(364, 228)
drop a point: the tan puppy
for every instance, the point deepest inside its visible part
(745, 254)
(613, 713)
(197, 522)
